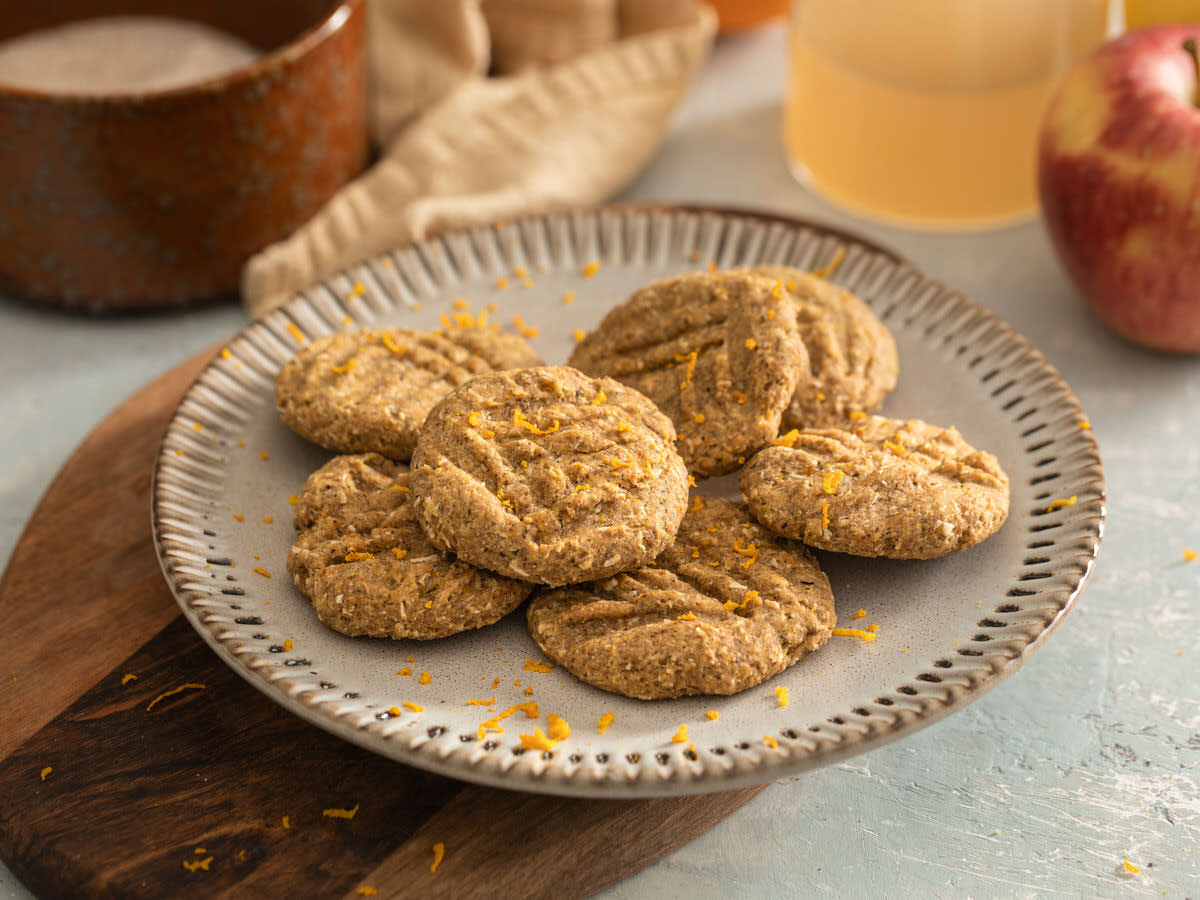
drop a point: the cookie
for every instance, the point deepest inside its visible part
(719, 353)
(370, 570)
(549, 476)
(852, 356)
(901, 489)
(728, 605)
(369, 391)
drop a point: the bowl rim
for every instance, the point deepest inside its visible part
(338, 13)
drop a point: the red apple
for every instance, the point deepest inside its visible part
(1119, 178)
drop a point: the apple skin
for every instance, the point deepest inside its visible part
(1119, 180)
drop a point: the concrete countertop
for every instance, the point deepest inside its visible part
(1085, 757)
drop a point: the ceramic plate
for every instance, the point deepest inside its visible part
(948, 629)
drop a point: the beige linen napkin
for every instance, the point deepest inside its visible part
(593, 86)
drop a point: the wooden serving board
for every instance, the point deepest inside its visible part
(105, 791)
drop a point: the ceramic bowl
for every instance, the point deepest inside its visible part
(157, 198)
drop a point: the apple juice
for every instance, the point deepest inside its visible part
(925, 112)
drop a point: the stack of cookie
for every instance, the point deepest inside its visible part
(573, 481)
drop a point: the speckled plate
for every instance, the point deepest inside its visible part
(948, 629)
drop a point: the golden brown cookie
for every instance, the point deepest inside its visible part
(719, 353)
(901, 489)
(728, 605)
(370, 570)
(852, 356)
(549, 476)
(369, 391)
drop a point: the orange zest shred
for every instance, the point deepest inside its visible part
(393, 710)
(481, 702)
(439, 853)
(860, 614)
(855, 632)
(697, 503)
(198, 864)
(781, 694)
(526, 330)
(599, 398)
(690, 359)
(293, 499)
(537, 741)
(259, 570)
(824, 516)
(288, 645)
(348, 366)
(399, 552)
(358, 289)
(832, 266)
(46, 771)
(390, 343)
(872, 628)
(681, 736)
(189, 686)
(557, 728)
(739, 397)
(605, 721)
(698, 418)
(460, 303)
(238, 517)
(770, 741)
(286, 822)
(406, 672)
(1130, 867)
(493, 724)
(713, 714)
(358, 556)
(687, 617)
(268, 520)
(568, 298)
(519, 418)
(1084, 424)
(712, 265)
(750, 551)
(1060, 503)
(296, 333)
(1189, 554)
(341, 813)
(787, 440)
(225, 354)
(829, 484)
(591, 268)
(579, 335)
(501, 282)
(128, 677)
(365, 890)
(412, 707)
(896, 448)
(751, 343)
(856, 414)
(425, 678)
(531, 666)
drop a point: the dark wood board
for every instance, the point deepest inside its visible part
(135, 791)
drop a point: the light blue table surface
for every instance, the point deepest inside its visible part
(1088, 755)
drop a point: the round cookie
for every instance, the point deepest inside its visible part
(728, 605)
(369, 391)
(901, 489)
(549, 476)
(852, 356)
(719, 353)
(370, 570)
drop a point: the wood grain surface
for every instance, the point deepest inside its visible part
(110, 788)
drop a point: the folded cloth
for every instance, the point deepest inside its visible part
(593, 87)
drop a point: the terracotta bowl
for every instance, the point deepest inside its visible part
(153, 199)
